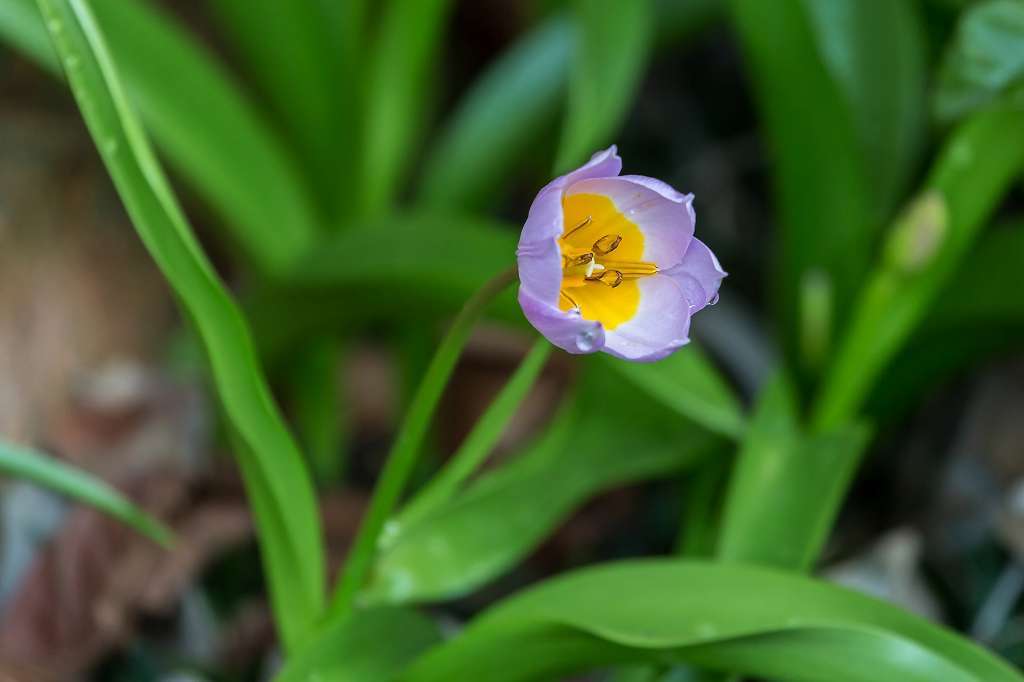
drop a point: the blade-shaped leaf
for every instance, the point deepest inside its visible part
(287, 47)
(984, 59)
(612, 48)
(210, 133)
(482, 141)
(29, 465)
(977, 164)
(613, 439)
(277, 482)
(786, 487)
(370, 646)
(838, 85)
(406, 47)
(737, 619)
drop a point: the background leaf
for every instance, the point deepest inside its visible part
(406, 47)
(614, 43)
(209, 132)
(499, 121)
(828, 80)
(786, 487)
(737, 619)
(370, 646)
(26, 464)
(984, 59)
(289, 51)
(277, 482)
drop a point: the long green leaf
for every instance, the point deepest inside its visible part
(734, 619)
(977, 164)
(984, 59)
(786, 487)
(371, 646)
(23, 463)
(838, 85)
(21, 28)
(610, 439)
(277, 482)
(611, 52)
(402, 57)
(210, 133)
(288, 49)
(500, 120)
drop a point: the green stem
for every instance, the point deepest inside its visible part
(482, 439)
(402, 458)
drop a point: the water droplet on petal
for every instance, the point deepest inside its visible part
(586, 340)
(714, 300)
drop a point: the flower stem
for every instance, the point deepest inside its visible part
(406, 448)
(481, 440)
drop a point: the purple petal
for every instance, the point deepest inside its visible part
(565, 329)
(699, 275)
(667, 224)
(603, 164)
(660, 326)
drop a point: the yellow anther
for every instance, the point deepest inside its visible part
(607, 244)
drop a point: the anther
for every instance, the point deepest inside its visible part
(601, 278)
(607, 244)
(586, 221)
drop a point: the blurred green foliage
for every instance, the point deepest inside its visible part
(307, 159)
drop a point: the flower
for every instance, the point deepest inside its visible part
(609, 263)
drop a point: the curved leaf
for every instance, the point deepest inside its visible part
(736, 619)
(615, 39)
(40, 469)
(277, 482)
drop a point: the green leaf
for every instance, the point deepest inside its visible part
(926, 246)
(277, 482)
(984, 59)
(838, 86)
(737, 619)
(482, 142)
(369, 646)
(611, 53)
(288, 51)
(482, 438)
(687, 382)
(401, 62)
(610, 439)
(786, 487)
(209, 132)
(26, 464)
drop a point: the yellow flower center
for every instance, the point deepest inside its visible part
(601, 260)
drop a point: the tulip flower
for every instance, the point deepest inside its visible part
(608, 262)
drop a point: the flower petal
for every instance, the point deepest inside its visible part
(565, 329)
(538, 255)
(667, 224)
(660, 326)
(603, 164)
(699, 275)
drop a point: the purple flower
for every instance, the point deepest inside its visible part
(609, 262)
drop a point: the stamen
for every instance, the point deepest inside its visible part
(569, 298)
(586, 221)
(607, 244)
(601, 278)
